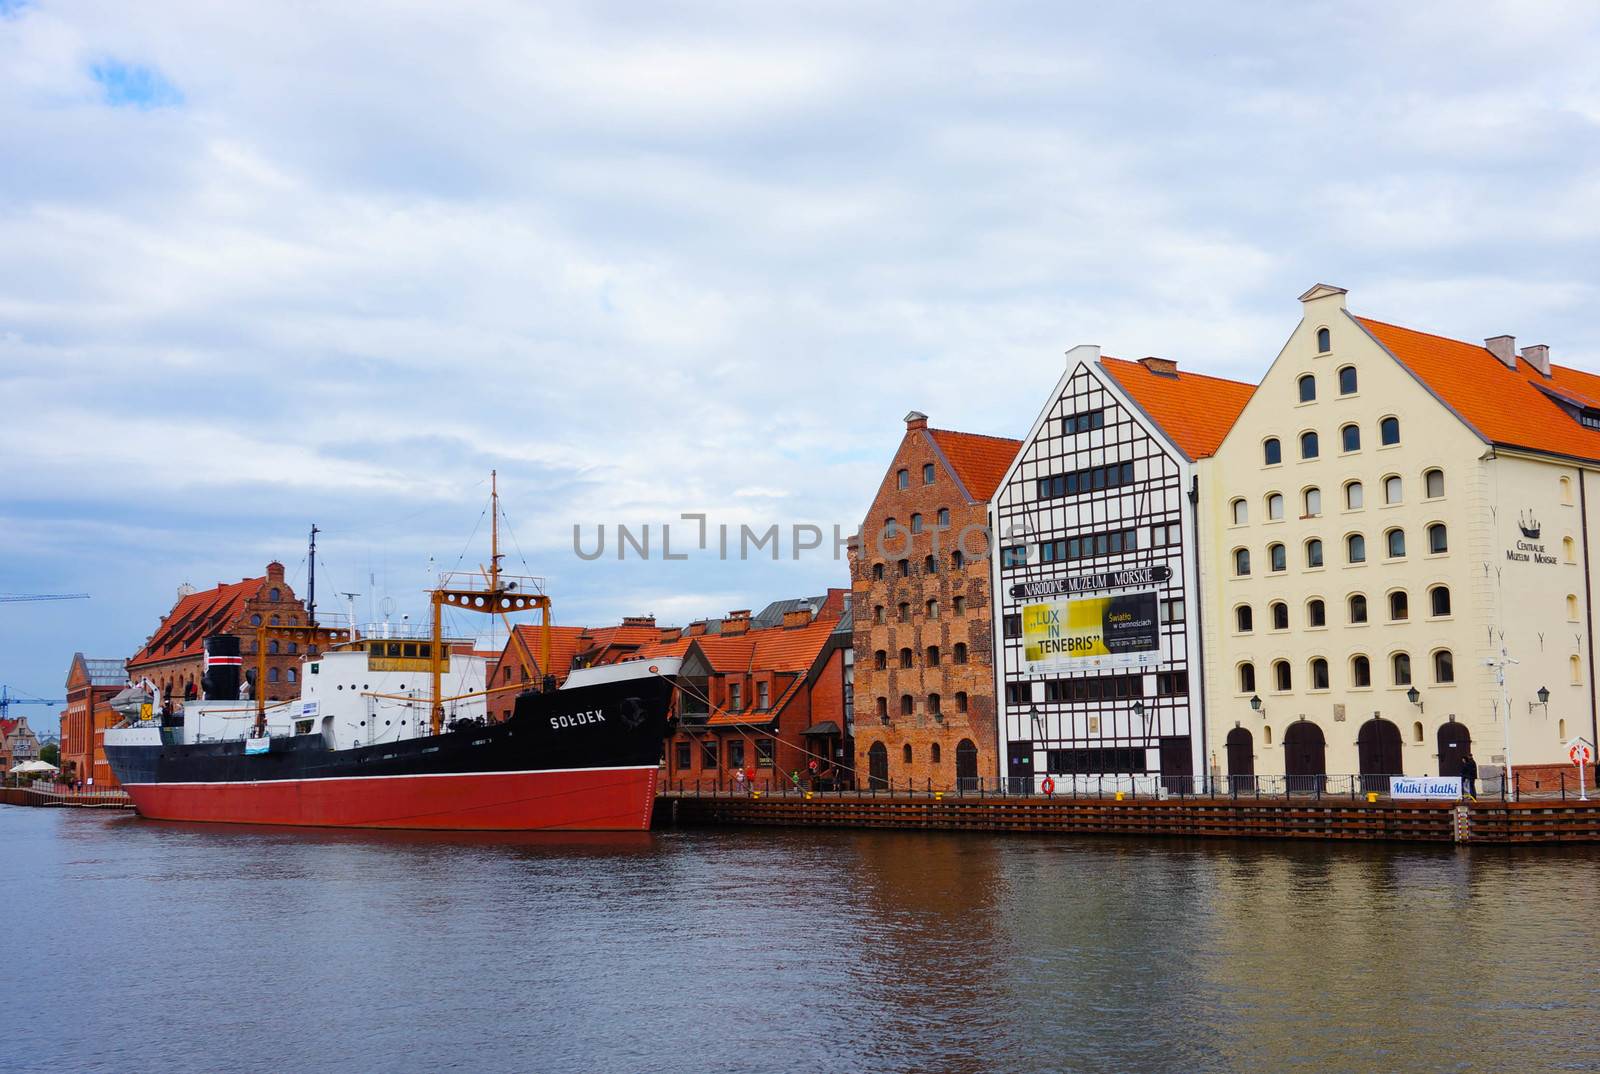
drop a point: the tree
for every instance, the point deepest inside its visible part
(50, 753)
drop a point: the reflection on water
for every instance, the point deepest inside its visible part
(191, 947)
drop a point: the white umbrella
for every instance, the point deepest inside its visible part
(27, 767)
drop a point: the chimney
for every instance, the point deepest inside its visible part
(639, 620)
(1161, 367)
(798, 618)
(1503, 348)
(916, 420)
(697, 628)
(736, 624)
(1538, 356)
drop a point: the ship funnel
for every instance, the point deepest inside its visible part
(223, 665)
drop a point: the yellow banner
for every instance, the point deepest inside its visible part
(1090, 631)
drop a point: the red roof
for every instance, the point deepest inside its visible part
(9, 725)
(194, 618)
(979, 461)
(1504, 406)
(1194, 410)
(565, 643)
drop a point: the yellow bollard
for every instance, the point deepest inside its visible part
(938, 796)
(1119, 796)
(755, 794)
(808, 796)
(1372, 797)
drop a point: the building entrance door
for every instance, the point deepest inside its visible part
(1241, 760)
(1455, 742)
(1019, 767)
(1177, 765)
(1378, 747)
(1305, 758)
(966, 765)
(878, 767)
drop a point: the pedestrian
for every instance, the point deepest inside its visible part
(1469, 775)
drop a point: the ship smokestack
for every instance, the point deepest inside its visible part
(223, 665)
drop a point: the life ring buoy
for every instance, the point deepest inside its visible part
(1048, 786)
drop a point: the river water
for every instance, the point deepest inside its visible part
(137, 946)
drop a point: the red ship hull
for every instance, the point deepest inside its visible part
(585, 799)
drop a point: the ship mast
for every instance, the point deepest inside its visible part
(499, 599)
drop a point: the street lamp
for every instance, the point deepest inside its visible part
(1255, 704)
(1544, 701)
(1413, 696)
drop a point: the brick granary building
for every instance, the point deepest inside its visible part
(174, 656)
(924, 635)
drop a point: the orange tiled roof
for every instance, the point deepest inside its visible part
(1195, 411)
(565, 643)
(194, 618)
(1504, 406)
(979, 461)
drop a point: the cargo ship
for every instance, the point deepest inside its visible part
(373, 742)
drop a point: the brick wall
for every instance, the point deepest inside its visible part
(923, 729)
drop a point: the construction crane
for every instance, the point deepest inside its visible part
(7, 699)
(10, 598)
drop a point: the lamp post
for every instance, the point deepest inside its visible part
(1415, 697)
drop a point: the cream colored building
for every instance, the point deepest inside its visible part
(1394, 512)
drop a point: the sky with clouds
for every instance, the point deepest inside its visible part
(268, 266)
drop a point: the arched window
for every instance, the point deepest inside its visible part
(1396, 540)
(294, 647)
(1324, 341)
(273, 594)
(932, 609)
(1247, 678)
(1282, 676)
(1360, 671)
(1280, 615)
(1438, 539)
(877, 572)
(1314, 552)
(1266, 734)
(1439, 600)
(293, 676)
(1444, 667)
(958, 606)
(272, 674)
(1308, 388)
(1572, 607)
(877, 613)
(1319, 674)
(255, 620)
(1416, 732)
(1354, 499)
(905, 611)
(943, 517)
(1241, 512)
(933, 656)
(1308, 445)
(1274, 505)
(959, 653)
(1566, 490)
(905, 753)
(1350, 438)
(880, 660)
(1277, 558)
(902, 479)
(1316, 612)
(1575, 668)
(1393, 489)
(935, 707)
(1389, 431)
(1355, 548)
(1244, 619)
(961, 701)
(1399, 606)
(957, 559)
(272, 648)
(1241, 562)
(1400, 665)
(905, 658)
(933, 750)
(883, 708)
(916, 523)
(1311, 499)
(930, 565)
(1358, 608)
(1271, 451)
(1433, 483)
(1347, 380)
(905, 706)
(927, 473)
(274, 620)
